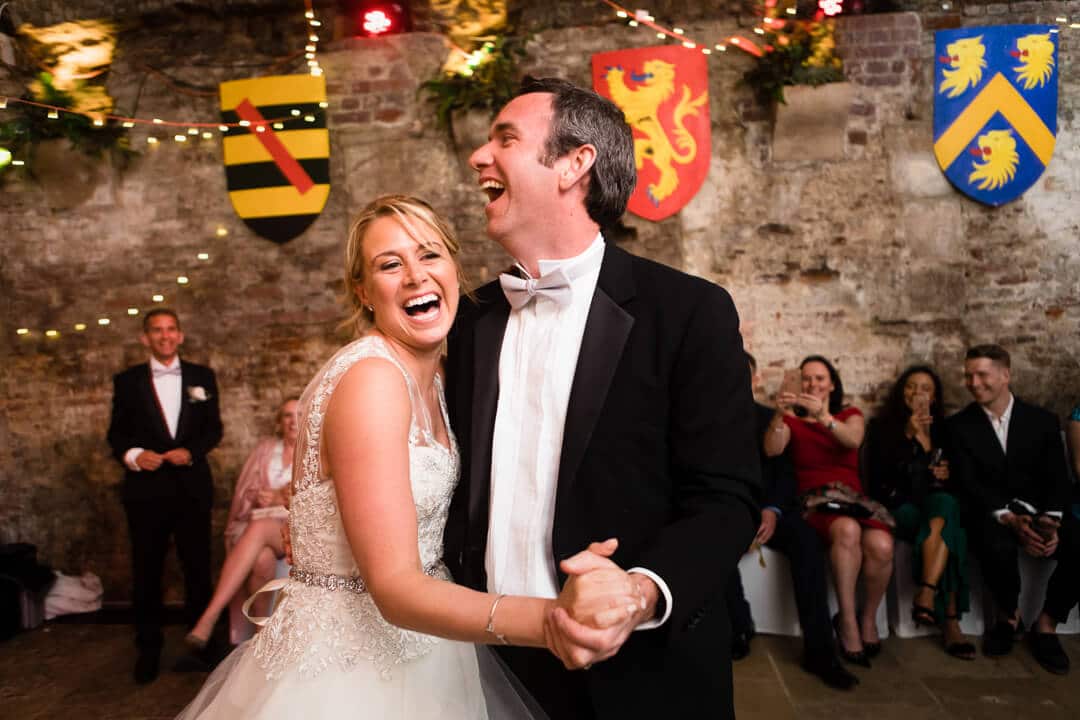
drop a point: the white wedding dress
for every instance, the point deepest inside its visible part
(325, 651)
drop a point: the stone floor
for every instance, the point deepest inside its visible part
(84, 671)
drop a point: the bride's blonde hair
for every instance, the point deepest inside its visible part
(407, 210)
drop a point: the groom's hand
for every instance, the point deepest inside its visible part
(599, 607)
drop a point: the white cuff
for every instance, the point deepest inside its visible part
(1054, 513)
(999, 513)
(664, 590)
(129, 459)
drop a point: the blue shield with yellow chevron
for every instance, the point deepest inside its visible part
(995, 108)
(277, 152)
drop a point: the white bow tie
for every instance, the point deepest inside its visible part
(520, 291)
(166, 372)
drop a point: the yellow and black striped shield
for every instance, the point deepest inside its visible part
(277, 161)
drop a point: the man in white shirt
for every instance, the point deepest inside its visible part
(165, 420)
(1007, 460)
(594, 395)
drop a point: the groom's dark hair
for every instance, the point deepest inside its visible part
(159, 311)
(583, 117)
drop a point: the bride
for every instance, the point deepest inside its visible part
(369, 623)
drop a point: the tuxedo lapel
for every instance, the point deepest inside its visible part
(487, 343)
(607, 329)
(1019, 426)
(185, 412)
(985, 435)
(151, 403)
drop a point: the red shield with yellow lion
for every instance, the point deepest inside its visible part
(664, 94)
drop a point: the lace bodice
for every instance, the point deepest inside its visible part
(314, 628)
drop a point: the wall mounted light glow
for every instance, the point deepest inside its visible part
(5, 157)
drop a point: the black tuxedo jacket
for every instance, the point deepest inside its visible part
(137, 421)
(1032, 470)
(659, 451)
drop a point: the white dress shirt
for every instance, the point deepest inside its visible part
(168, 389)
(539, 355)
(1001, 430)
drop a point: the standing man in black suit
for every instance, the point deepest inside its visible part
(596, 394)
(1006, 457)
(784, 530)
(165, 420)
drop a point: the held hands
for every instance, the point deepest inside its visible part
(149, 460)
(815, 407)
(177, 456)
(940, 470)
(1027, 532)
(598, 608)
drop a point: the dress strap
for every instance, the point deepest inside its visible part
(272, 586)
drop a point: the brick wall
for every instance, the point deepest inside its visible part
(872, 258)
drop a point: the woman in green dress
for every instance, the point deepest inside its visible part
(907, 470)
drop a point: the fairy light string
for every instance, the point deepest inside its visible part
(104, 320)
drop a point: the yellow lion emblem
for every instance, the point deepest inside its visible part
(1036, 55)
(966, 59)
(641, 107)
(997, 149)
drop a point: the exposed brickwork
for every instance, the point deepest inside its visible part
(874, 259)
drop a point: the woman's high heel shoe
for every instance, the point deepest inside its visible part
(855, 658)
(195, 642)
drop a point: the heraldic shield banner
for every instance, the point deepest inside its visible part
(278, 178)
(664, 94)
(995, 108)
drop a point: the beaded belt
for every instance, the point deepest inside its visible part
(329, 582)
(342, 582)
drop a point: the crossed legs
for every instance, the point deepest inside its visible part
(254, 557)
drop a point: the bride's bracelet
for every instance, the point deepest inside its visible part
(491, 622)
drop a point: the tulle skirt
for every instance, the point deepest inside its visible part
(443, 684)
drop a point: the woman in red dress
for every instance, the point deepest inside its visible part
(825, 436)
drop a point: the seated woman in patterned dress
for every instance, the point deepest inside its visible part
(825, 437)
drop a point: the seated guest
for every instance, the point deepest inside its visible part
(824, 437)
(1007, 458)
(253, 541)
(783, 529)
(905, 469)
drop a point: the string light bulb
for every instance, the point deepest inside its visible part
(53, 115)
(133, 311)
(203, 256)
(103, 321)
(22, 331)
(158, 298)
(182, 280)
(151, 140)
(221, 231)
(52, 333)
(3, 103)
(79, 327)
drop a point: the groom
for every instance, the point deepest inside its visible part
(596, 394)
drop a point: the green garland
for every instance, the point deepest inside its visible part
(802, 52)
(491, 84)
(32, 125)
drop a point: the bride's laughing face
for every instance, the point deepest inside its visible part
(411, 282)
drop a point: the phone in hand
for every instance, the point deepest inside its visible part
(936, 456)
(792, 382)
(920, 405)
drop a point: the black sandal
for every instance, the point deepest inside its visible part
(960, 650)
(921, 615)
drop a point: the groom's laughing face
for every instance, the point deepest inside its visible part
(522, 191)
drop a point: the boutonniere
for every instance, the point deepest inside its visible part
(197, 394)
